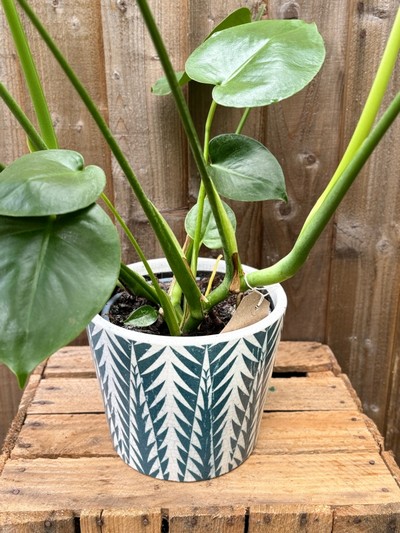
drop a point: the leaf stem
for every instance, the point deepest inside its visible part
(30, 73)
(370, 109)
(164, 234)
(23, 120)
(202, 193)
(224, 225)
(291, 263)
(169, 312)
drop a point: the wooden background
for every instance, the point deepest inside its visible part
(348, 294)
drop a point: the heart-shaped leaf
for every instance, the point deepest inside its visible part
(49, 182)
(56, 273)
(142, 317)
(162, 88)
(258, 63)
(209, 231)
(243, 169)
(240, 16)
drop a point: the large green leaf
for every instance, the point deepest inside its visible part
(243, 169)
(209, 230)
(240, 16)
(49, 182)
(258, 63)
(55, 274)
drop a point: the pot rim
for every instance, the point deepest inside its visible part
(276, 292)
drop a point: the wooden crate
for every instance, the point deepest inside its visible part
(319, 465)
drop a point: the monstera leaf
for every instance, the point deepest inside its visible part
(209, 230)
(49, 182)
(55, 274)
(258, 65)
(243, 169)
(240, 16)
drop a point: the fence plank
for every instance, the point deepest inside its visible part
(296, 131)
(146, 126)
(365, 272)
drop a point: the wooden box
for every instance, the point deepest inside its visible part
(319, 465)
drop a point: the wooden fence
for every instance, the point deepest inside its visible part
(348, 294)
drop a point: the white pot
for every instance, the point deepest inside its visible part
(186, 408)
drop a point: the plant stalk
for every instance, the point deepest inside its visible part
(370, 109)
(291, 263)
(30, 73)
(164, 234)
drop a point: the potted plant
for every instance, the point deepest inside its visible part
(190, 404)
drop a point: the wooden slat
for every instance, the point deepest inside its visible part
(280, 433)
(10, 396)
(71, 361)
(106, 482)
(216, 519)
(371, 519)
(291, 357)
(314, 431)
(74, 395)
(365, 266)
(290, 518)
(60, 521)
(305, 357)
(309, 394)
(136, 520)
(77, 435)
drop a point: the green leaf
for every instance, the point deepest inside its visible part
(236, 18)
(49, 182)
(209, 231)
(56, 273)
(240, 16)
(142, 317)
(258, 63)
(243, 169)
(161, 86)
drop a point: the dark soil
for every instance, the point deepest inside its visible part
(213, 323)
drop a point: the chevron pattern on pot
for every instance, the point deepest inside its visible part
(188, 413)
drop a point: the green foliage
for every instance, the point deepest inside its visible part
(50, 182)
(259, 63)
(142, 317)
(243, 169)
(56, 273)
(209, 234)
(60, 252)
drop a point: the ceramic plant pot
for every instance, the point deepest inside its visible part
(185, 408)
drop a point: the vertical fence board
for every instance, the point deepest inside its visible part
(365, 279)
(146, 126)
(296, 131)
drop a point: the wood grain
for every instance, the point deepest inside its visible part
(364, 284)
(143, 520)
(293, 518)
(216, 519)
(60, 521)
(146, 126)
(105, 482)
(296, 131)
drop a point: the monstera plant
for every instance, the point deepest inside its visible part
(60, 251)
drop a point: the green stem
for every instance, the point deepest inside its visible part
(202, 193)
(370, 110)
(169, 313)
(24, 121)
(290, 264)
(165, 236)
(243, 120)
(224, 225)
(30, 73)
